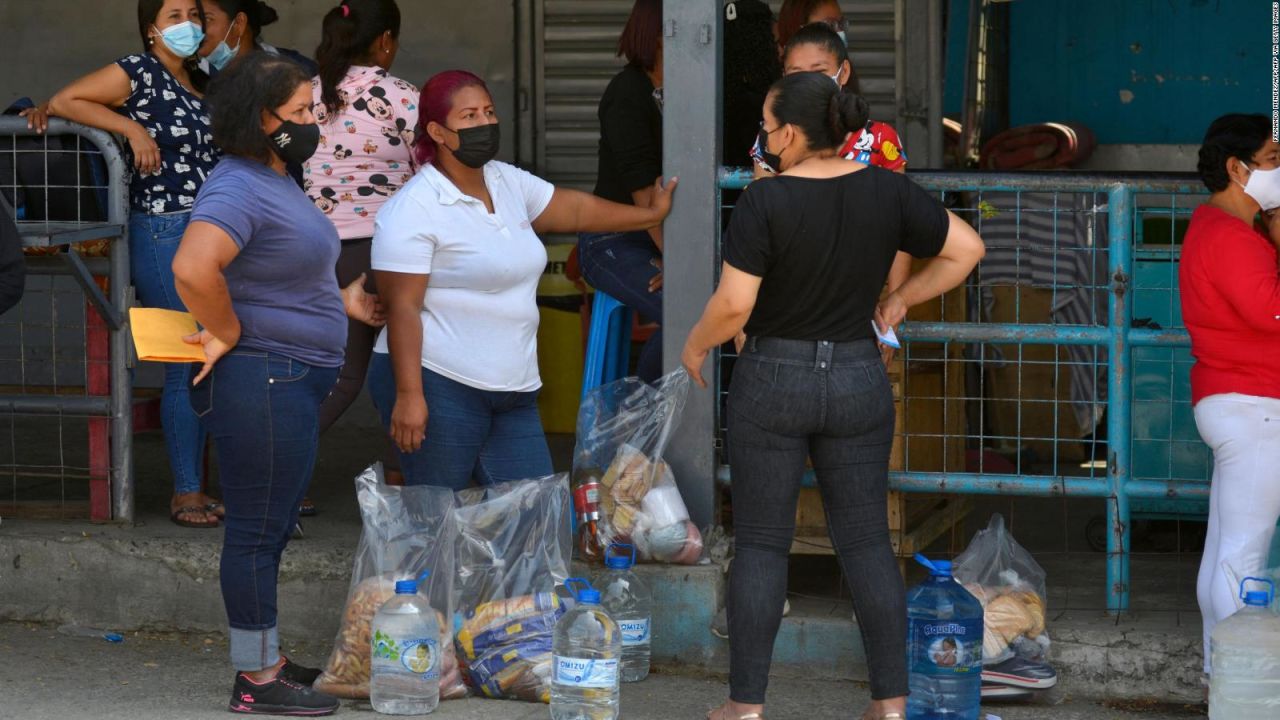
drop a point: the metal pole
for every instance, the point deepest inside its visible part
(934, 106)
(1120, 213)
(691, 151)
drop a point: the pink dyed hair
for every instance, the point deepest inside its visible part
(435, 105)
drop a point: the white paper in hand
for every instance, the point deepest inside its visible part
(888, 338)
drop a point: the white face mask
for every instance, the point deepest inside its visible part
(1263, 186)
(836, 78)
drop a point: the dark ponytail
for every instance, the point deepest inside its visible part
(256, 12)
(349, 30)
(811, 102)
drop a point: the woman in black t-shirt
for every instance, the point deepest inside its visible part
(628, 265)
(806, 256)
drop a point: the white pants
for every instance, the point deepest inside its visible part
(1244, 500)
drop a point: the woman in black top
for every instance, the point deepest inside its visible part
(628, 266)
(806, 256)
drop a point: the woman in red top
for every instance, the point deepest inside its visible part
(1231, 306)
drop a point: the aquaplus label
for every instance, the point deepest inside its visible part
(939, 647)
(418, 656)
(584, 673)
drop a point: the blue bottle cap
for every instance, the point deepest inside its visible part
(406, 587)
(1257, 598)
(941, 568)
(614, 561)
(589, 596)
(937, 568)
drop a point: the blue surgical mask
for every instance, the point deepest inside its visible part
(223, 54)
(182, 39)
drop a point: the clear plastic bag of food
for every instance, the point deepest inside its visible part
(624, 492)
(406, 530)
(1010, 584)
(513, 549)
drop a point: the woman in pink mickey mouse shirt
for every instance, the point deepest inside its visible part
(366, 119)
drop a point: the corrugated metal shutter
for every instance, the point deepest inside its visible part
(872, 52)
(575, 59)
(579, 41)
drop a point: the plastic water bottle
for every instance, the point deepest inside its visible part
(1245, 658)
(405, 669)
(944, 647)
(630, 604)
(587, 652)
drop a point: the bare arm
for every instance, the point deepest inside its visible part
(960, 254)
(726, 315)
(92, 100)
(644, 198)
(574, 211)
(205, 252)
(401, 295)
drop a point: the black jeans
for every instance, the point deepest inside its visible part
(353, 261)
(791, 400)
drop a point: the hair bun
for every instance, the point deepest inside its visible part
(849, 112)
(266, 14)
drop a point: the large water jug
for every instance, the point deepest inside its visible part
(1245, 659)
(405, 671)
(944, 647)
(628, 601)
(586, 655)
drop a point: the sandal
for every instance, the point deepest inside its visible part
(216, 509)
(177, 517)
(306, 508)
(721, 713)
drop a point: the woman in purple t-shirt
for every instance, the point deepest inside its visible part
(256, 270)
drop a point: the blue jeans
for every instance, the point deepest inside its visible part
(480, 435)
(622, 264)
(262, 410)
(153, 241)
(791, 400)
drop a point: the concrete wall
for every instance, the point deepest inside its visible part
(48, 43)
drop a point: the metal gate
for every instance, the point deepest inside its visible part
(67, 395)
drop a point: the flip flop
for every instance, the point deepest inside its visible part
(216, 509)
(176, 518)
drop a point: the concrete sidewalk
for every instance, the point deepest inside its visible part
(48, 676)
(156, 576)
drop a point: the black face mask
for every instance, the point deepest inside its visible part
(477, 145)
(294, 143)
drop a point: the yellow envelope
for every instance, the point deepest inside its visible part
(157, 335)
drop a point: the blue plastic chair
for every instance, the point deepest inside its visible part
(608, 343)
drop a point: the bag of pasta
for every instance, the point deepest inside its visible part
(406, 530)
(513, 550)
(624, 492)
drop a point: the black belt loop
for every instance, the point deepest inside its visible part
(751, 343)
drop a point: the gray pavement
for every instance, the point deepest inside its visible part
(46, 676)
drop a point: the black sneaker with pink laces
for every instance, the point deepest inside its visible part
(279, 696)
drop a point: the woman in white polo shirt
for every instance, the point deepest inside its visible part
(458, 258)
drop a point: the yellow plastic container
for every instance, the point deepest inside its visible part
(560, 344)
